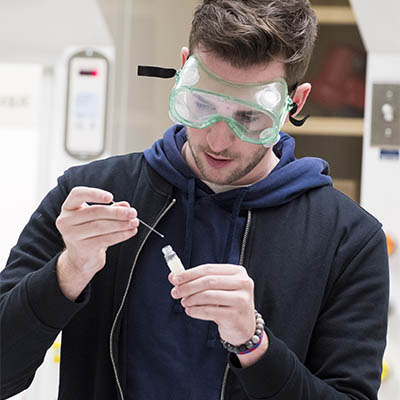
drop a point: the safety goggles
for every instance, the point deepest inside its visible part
(254, 111)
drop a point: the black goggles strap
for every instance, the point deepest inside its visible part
(156, 72)
(296, 122)
(166, 73)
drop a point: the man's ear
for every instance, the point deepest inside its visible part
(184, 55)
(300, 97)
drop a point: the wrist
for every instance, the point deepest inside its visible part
(255, 346)
(246, 360)
(253, 343)
(70, 279)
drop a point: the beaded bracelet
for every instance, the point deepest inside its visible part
(251, 344)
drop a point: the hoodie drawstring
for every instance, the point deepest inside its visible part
(232, 227)
(187, 250)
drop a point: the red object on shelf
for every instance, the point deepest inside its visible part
(340, 82)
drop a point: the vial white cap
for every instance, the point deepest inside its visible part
(167, 250)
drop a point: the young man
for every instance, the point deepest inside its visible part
(256, 229)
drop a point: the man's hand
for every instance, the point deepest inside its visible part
(223, 293)
(87, 232)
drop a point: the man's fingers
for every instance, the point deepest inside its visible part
(82, 194)
(212, 298)
(121, 204)
(209, 313)
(105, 241)
(99, 212)
(205, 270)
(210, 282)
(96, 228)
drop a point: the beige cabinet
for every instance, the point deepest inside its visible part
(336, 104)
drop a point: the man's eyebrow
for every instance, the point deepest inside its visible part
(238, 113)
(200, 98)
(248, 113)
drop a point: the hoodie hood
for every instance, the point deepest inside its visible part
(289, 179)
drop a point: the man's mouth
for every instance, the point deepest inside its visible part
(217, 162)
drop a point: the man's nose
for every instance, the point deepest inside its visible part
(220, 136)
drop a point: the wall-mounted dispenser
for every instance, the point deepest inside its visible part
(86, 105)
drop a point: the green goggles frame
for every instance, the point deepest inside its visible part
(199, 79)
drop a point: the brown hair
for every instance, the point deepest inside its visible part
(250, 32)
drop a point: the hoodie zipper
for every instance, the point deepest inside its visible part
(244, 242)
(125, 296)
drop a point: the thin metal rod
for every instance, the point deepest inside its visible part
(151, 228)
(147, 225)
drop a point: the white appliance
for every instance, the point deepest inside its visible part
(380, 183)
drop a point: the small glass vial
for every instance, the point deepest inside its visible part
(173, 261)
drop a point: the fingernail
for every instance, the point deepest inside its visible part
(132, 213)
(176, 279)
(175, 292)
(134, 223)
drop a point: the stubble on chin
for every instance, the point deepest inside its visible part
(242, 170)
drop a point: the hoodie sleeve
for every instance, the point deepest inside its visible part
(33, 310)
(344, 359)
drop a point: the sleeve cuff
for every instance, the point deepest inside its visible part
(46, 299)
(269, 374)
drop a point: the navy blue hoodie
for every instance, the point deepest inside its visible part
(184, 354)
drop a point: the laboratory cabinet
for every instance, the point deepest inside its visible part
(337, 74)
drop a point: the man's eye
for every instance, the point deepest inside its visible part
(205, 107)
(201, 106)
(249, 118)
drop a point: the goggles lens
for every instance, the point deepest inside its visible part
(255, 112)
(204, 109)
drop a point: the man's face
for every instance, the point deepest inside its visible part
(215, 153)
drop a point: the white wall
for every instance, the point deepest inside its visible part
(38, 31)
(380, 195)
(381, 177)
(20, 98)
(378, 22)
